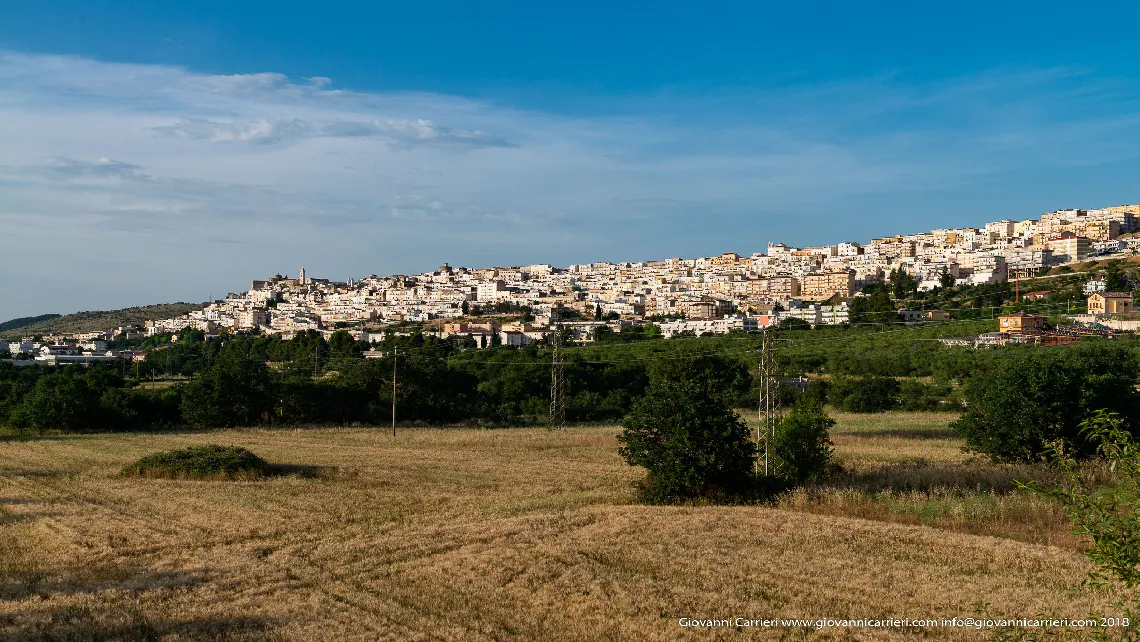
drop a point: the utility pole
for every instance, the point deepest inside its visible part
(557, 376)
(394, 355)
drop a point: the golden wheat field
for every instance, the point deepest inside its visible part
(511, 534)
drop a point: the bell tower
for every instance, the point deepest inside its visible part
(302, 279)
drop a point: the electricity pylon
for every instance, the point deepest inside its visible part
(768, 416)
(557, 376)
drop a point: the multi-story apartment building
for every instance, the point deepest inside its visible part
(1002, 228)
(775, 286)
(1098, 225)
(820, 287)
(705, 308)
(1026, 228)
(1026, 262)
(1069, 248)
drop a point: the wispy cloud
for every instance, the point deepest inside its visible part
(401, 133)
(101, 168)
(246, 173)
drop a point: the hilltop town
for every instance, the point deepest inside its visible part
(715, 294)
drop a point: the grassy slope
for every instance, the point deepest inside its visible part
(93, 320)
(23, 321)
(520, 534)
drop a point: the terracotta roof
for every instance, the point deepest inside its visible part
(1115, 295)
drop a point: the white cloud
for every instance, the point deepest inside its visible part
(171, 162)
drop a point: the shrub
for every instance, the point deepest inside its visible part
(684, 432)
(801, 444)
(918, 396)
(1109, 516)
(210, 462)
(1036, 397)
(865, 394)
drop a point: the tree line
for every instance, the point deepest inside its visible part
(1015, 400)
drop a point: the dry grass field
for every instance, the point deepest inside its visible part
(514, 534)
(910, 468)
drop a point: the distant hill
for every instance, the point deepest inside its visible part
(23, 321)
(95, 319)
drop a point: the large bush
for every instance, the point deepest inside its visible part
(200, 462)
(801, 445)
(916, 395)
(684, 432)
(1037, 396)
(865, 394)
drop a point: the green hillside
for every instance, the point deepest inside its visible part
(92, 320)
(24, 321)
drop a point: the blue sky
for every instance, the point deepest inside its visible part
(169, 151)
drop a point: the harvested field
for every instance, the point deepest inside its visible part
(514, 534)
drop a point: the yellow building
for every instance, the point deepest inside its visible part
(820, 287)
(776, 286)
(1110, 302)
(1021, 321)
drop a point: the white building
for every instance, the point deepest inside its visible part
(670, 329)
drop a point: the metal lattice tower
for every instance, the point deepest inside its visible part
(769, 412)
(557, 376)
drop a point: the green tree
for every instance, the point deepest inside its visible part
(945, 280)
(903, 284)
(876, 307)
(59, 401)
(684, 432)
(234, 391)
(801, 443)
(72, 400)
(1113, 278)
(343, 346)
(1034, 397)
(792, 323)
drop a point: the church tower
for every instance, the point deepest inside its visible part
(302, 279)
